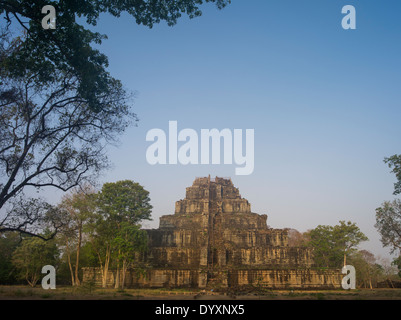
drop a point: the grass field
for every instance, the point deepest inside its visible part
(90, 293)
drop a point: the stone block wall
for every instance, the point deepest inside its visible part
(229, 278)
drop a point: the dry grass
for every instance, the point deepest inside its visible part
(88, 293)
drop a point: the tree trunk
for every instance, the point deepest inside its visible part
(106, 268)
(117, 283)
(370, 278)
(69, 264)
(345, 259)
(124, 273)
(391, 282)
(77, 282)
(33, 281)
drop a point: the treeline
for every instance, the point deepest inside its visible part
(96, 229)
(336, 246)
(103, 229)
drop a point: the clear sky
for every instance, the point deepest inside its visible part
(324, 103)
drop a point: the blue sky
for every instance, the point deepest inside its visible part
(324, 103)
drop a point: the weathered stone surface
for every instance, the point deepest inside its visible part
(231, 278)
(214, 239)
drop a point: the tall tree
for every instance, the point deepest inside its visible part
(129, 241)
(124, 203)
(77, 206)
(115, 229)
(50, 138)
(388, 224)
(101, 235)
(368, 271)
(347, 237)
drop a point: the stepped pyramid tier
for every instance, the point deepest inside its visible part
(214, 239)
(214, 227)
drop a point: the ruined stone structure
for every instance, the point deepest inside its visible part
(215, 240)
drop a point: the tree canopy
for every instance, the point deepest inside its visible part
(68, 48)
(332, 244)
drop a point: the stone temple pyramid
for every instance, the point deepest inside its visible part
(214, 240)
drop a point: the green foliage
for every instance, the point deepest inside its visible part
(122, 205)
(50, 137)
(77, 207)
(347, 236)
(114, 229)
(69, 49)
(397, 263)
(59, 104)
(326, 252)
(368, 271)
(388, 223)
(332, 244)
(129, 240)
(394, 162)
(388, 216)
(8, 243)
(31, 256)
(124, 201)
